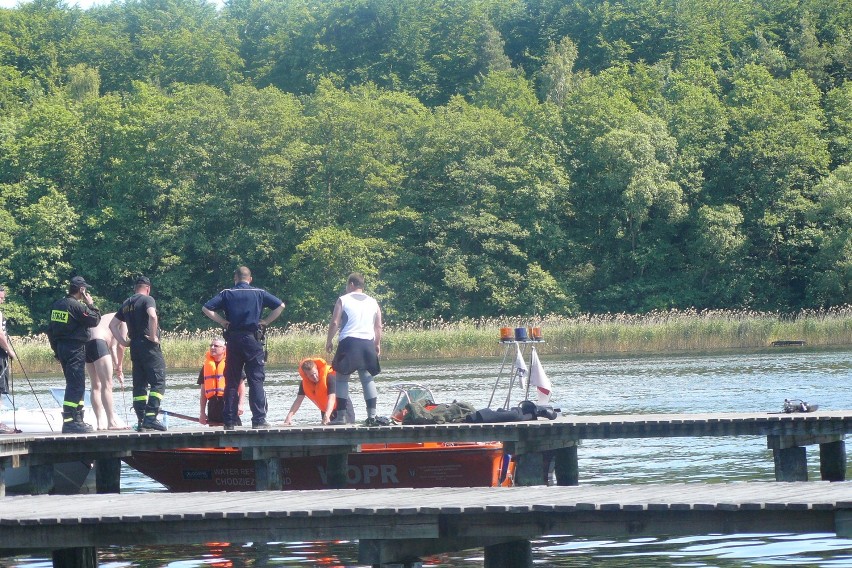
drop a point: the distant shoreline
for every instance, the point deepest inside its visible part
(658, 332)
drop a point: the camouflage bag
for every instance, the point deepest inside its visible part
(454, 412)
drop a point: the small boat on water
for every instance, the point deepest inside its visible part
(431, 464)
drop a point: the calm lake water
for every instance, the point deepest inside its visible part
(729, 382)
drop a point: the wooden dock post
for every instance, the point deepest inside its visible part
(86, 557)
(336, 465)
(567, 466)
(791, 464)
(832, 461)
(41, 479)
(513, 554)
(268, 474)
(108, 475)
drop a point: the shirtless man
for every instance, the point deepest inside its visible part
(103, 355)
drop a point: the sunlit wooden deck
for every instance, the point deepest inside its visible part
(397, 524)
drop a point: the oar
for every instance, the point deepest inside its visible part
(179, 415)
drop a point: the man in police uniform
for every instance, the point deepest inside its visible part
(139, 312)
(243, 305)
(68, 331)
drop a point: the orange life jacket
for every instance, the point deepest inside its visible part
(317, 391)
(214, 377)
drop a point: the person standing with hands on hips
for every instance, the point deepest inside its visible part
(359, 319)
(139, 312)
(71, 318)
(243, 306)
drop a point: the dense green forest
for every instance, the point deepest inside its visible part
(474, 158)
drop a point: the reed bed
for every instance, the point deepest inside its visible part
(670, 331)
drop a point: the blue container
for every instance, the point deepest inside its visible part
(521, 334)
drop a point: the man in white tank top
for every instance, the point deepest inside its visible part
(358, 317)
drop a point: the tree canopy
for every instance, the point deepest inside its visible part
(471, 157)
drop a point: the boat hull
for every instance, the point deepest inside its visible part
(375, 466)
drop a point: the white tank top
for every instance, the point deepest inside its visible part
(360, 311)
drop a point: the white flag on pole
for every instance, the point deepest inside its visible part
(520, 368)
(539, 379)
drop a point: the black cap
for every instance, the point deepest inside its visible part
(143, 280)
(79, 282)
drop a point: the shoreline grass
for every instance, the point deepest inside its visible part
(672, 331)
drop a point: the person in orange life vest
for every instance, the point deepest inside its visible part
(318, 384)
(212, 381)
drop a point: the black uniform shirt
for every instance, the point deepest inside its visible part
(134, 312)
(70, 320)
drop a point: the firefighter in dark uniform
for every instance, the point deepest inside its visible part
(68, 331)
(139, 312)
(243, 306)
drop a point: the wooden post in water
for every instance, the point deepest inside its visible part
(791, 464)
(531, 469)
(108, 475)
(832, 461)
(567, 466)
(75, 557)
(336, 466)
(514, 554)
(268, 474)
(41, 479)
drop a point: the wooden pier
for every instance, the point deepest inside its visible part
(786, 434)
(400, 525)
(396, 525)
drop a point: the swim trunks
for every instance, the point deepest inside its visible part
(95, 349)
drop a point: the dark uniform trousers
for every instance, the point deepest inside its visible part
(149, 370)
(244, 352)
(72, 356)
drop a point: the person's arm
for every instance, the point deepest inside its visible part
(202, 409)
(329, 408)
(114, 346)
(90, 316)
(118, 349)
(118, 332)
(293, 409)
(216, 317)
(333, 325)
(6, 345)
(241, 397)
(273, 315)
(153, 325)
(377, 329)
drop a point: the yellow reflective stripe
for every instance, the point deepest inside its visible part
(71, 404)
(156, 395)
(60, 316)
(142, 398)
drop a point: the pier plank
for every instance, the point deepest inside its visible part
(469, 513)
